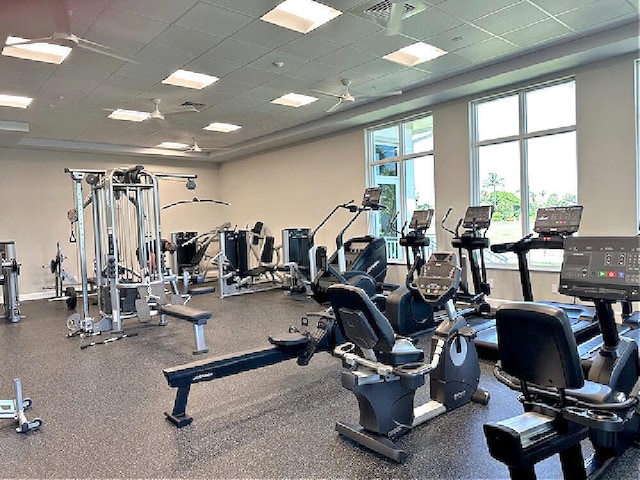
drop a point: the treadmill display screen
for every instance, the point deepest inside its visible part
(601, 268)
(421, 219)
(371, 196)
(558, 220)
(479, 216)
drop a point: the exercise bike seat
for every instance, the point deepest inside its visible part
(537, 346)
(361, 323)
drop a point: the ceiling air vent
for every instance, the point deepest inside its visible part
(378, 11)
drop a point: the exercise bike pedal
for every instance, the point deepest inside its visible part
(481, 396)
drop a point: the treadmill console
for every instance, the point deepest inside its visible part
(371, 197)
(439, 278)
(601, 268)
(421, 220)
(558, 220)
(478, 217)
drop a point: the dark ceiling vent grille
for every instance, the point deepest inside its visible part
(382, 10)
(379, 10)
(195, 105)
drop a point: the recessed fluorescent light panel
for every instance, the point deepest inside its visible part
(222, 127)
(184, 78)
(13, 101)
(300, 15)
(414, 54)
(129, 115)
(173, 145)
(40, 52)
(294, 100)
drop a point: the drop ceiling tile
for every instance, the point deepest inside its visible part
(14, 80)
(446, 63)
(345, 58)
(252, 8)
(458, 37)
(129, 82)
(83, 14)
(559, 6)
(291, 62)
(87, 59)
(187, 40)
(125, 25)
(537, 33)
(428, 23)
(315, 71)
(380, 44)
(80, 74)
(511, 18)
(236, 51)
(374, 68)
(345, 29)
(94, 106)
(308, 47)
(265, 34)
(211, 19)
(256, 76)
(231, 87)
(491, 48)
(146, 71)
(163, 56)
(62, 87)
(212, 66)
(470, 10)
(597, 13)
(165, 11)
(210, 97)
(263, 93)
(122, 46)
(234, 105)
(288, 84)
(118, 94)
(342, 5)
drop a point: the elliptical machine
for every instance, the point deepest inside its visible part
(405, 308)
(476, 221)
(360, 261)
(384, 370)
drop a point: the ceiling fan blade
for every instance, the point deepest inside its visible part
(29, 41)
(108, 54)
(328, 93)
(178, 112)
(95, 44)
(395, 18)
(335, 107)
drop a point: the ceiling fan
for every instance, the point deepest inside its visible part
(156, 114)
(54, 16)
(197, 148)
(346, 96)
(69, 40)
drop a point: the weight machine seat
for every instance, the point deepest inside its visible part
(361, 323)
(183, 312)
(536, 345)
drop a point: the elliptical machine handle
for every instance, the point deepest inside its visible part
(417, 265)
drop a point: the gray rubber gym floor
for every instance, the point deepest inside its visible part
(103, 407)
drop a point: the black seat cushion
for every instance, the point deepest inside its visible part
(183, 312)
(373, 330)
(537, 346)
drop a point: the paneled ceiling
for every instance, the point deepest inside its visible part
(490, 43)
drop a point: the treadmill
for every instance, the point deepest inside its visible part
(553, 226)
(605, 270)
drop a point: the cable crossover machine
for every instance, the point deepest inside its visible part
(130, 269)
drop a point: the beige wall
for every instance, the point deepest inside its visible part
(36, 195)
(297, 186)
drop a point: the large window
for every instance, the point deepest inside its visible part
(637, 99)
(400, 160)
(524, 158)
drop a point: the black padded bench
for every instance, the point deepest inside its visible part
(194, 315)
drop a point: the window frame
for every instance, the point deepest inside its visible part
(522, 138)
(401, 159)
(636, 98)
